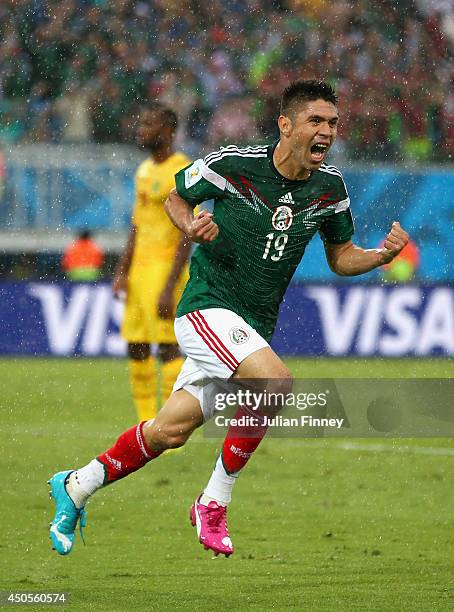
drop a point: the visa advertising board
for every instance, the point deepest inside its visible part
(65, 319)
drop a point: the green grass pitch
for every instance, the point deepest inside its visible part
(317, 526)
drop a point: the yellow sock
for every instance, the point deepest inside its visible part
(169, 373)
(142, 375)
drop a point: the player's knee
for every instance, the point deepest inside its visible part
(138, 351)
(168, 352)
(277, 391)
(281, 381)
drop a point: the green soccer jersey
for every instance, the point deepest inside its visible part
(265, 222)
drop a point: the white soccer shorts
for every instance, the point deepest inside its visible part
(215, 342)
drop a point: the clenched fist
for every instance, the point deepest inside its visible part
(203, 228)
(394, 242)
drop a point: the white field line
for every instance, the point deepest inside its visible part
(327, 444)
(381, 448)
(373, 447)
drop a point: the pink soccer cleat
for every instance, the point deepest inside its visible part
(211, 523)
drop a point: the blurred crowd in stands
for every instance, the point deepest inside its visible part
(77, 71)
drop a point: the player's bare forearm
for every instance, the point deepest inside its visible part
(348, 259)
(124, 263)
(179, 211)
(200, 228)
(353, 260)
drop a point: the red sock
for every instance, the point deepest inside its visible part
(129, 453)
(241, 441)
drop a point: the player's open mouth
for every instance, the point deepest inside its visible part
(318, 152)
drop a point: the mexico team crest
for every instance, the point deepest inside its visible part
(282, 218)
(238, 335)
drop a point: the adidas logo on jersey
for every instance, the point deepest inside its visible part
(287, 199)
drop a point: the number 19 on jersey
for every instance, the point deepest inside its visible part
(276, 245)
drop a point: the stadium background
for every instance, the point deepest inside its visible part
(72, 76)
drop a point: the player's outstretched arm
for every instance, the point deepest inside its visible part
(198, 228)
(347, 259)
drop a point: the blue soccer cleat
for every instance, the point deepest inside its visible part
(64, 524)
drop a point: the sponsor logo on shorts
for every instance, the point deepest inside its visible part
(282, 218)
(238, 335)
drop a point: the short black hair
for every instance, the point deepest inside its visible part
(301, 91)
(169, 116)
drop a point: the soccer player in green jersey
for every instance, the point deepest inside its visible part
(269, 202)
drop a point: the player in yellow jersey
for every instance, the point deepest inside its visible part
(152, 269)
